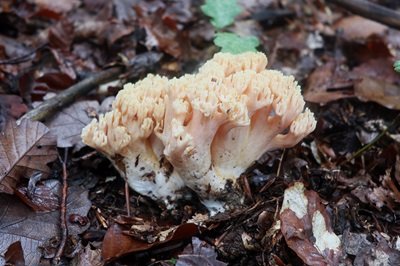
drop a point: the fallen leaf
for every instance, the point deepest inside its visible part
(166, 36)
(41, 197)
(199, 253)
(15, 255)
(328, 82)
(13, 105)
(24, 149)
(356, 28)
(118, 243)
(57, 6)
(88, 256)
(378, 254)
(353, 243)
(19, 223)
(56, 80)
(68, 123)
(378, 82)
(306, 227)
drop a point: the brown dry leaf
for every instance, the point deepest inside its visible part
(328, 82)
(57, 6)
(88, 256)
(198, 253)
(13, 105)
(67, 124)
(355, 28)
(15, 255)
(41, 197)
(162, 32)
(380, 254)
(118, 243)
(306, 227)
(24, 149)
(19, 223)
(378, 82)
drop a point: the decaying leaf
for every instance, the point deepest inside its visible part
(379, 254)
(355, 28)
(118, 243)
(307, 229)
(15, 255)
(67, 124)
(19, 223)
(24, 149)
(327, 83)
(88, 256)
(378, 82)
(198, 253)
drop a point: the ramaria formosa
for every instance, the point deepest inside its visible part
(201, 130)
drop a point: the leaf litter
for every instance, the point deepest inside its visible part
(344, 64)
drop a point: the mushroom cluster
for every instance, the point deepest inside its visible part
(201, 130)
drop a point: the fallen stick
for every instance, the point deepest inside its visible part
(63, 210)
(371, 11)
(139, 64)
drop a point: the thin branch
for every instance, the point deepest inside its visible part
(136, 67)
(50, 106)
(371, 11)
(63, 210)
(395, 124)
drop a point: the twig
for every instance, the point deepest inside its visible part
(371, 11)
(22, 58)
(63, 210)
(127, 199)
(50, 106)
(393, 125)
(139, 64)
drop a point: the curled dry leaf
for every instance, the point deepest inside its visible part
(118, 243)
(67, 124)
(19, 223)
(307, 229)
(24, 149)
(198, 253)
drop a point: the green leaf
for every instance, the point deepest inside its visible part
(396, 66)
(235, 44)
(222, 12)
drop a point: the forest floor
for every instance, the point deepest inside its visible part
(349, 166)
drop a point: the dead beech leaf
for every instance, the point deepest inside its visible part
(68, 123)
(198, 253)
(328, 82)
(378, 82)
(24, 149)
(355, 28)
(307, 229)
(19, 223)
(57, 6)
(13, 105)
(118, 243)
(15, 255)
